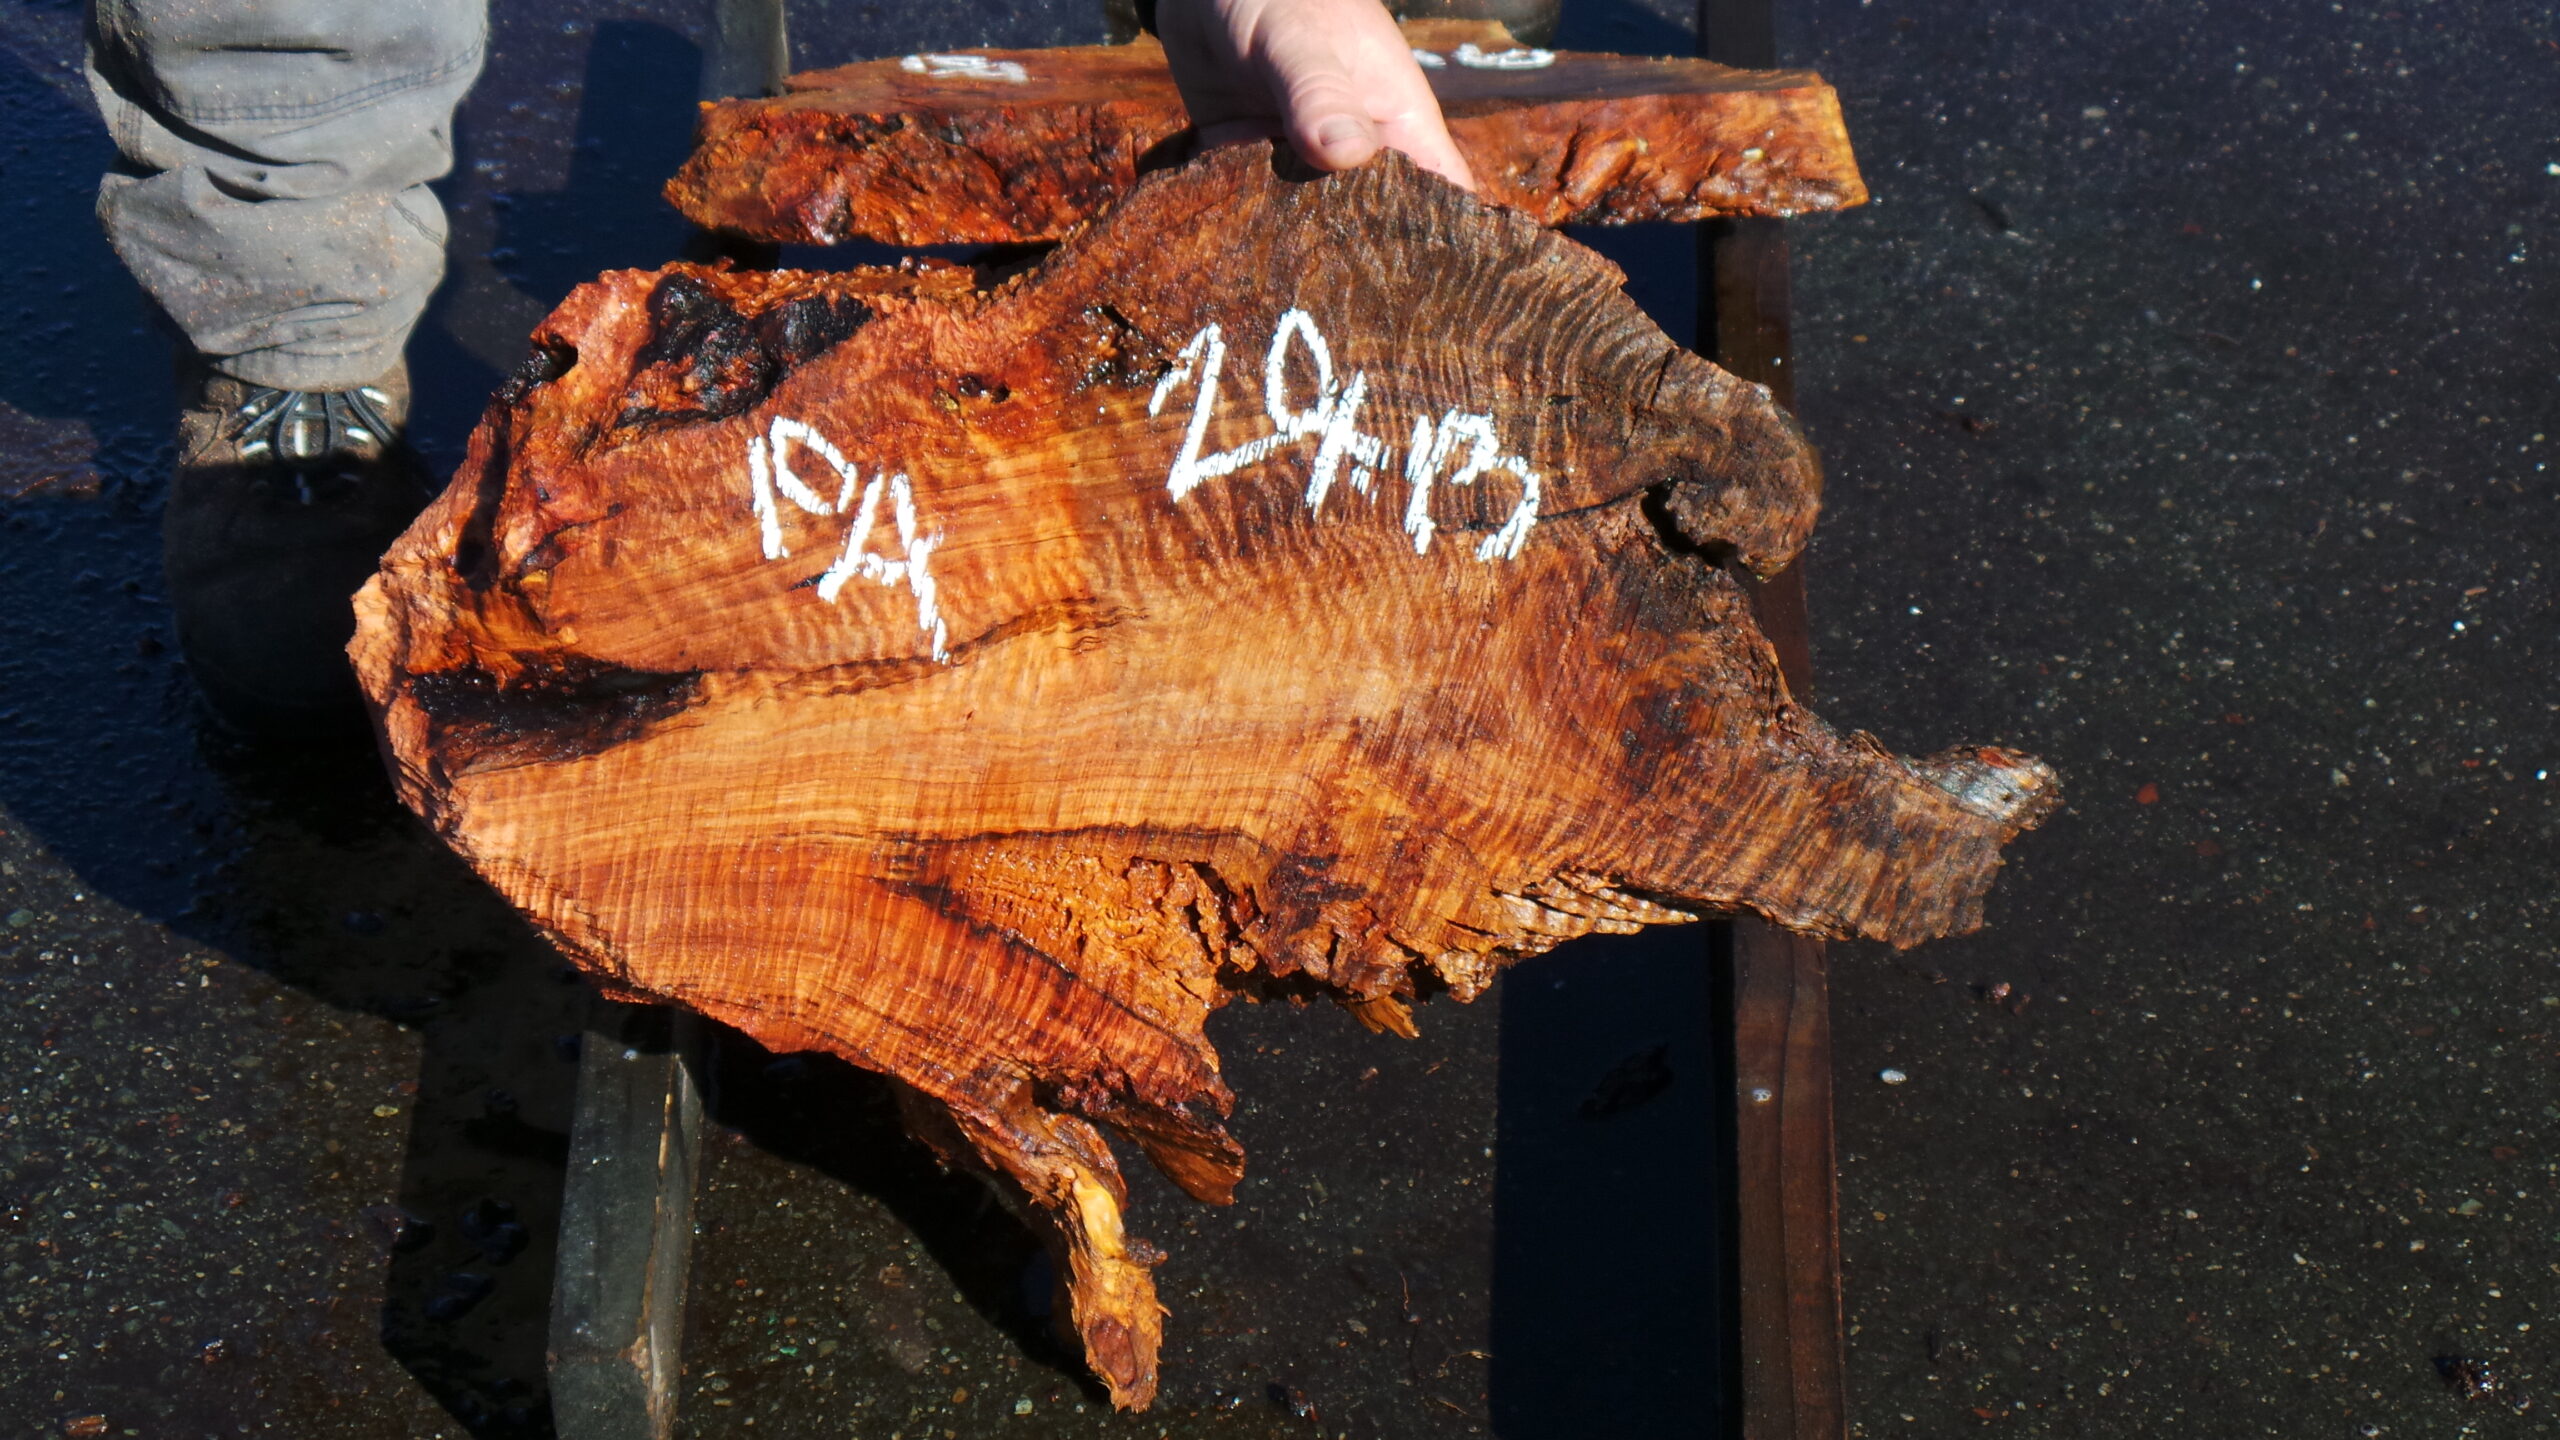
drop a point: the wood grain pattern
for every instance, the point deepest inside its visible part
(929, 150)
(1296, 585)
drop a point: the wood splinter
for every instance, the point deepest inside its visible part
(1003, 146)
(1319, 583)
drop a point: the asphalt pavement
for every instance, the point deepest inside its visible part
(2187, 396)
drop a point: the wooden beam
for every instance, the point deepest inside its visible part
(1786, 1158)
(626, 1227)
(1789, 1271)
(750, 50)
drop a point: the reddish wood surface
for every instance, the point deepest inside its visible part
(1294, 584)
(949, 149)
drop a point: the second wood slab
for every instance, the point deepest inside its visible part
(1006, 146)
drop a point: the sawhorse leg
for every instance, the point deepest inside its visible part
(1786, 1159)
(626, 1227)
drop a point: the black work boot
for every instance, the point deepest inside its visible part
(282, 503)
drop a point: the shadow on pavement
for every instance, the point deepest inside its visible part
(338, 892)
(299, 862)
(841, 1121)
(1608, 1305)
(635, 128)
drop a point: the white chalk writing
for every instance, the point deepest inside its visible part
(772, 480)
(1433, 446)
(895, 550)
(965, 67)
(1518, 57)
(1331, 417)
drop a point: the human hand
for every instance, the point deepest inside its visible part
(1334, 76)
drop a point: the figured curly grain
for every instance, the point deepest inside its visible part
(1400, 647)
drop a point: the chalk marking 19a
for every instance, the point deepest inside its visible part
(772, 480)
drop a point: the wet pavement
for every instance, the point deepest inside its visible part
(2184, 397)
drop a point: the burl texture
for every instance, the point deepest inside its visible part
(1024, 145)
(1321, 584)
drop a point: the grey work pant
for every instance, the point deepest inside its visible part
(272, 196)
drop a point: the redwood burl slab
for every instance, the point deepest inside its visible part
(1293, 582)
(1023, 145)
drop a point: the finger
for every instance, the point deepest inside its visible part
(1424, 136)
(1237, 132)
(1325, 115)
(1347, 85)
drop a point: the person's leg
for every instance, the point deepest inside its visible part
(272, 196)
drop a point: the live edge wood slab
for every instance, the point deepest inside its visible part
(1024, 145)
(1295, 586)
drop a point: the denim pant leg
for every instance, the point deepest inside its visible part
(272, 196)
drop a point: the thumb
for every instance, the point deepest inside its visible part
(1347, 86)
(1325, 117)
